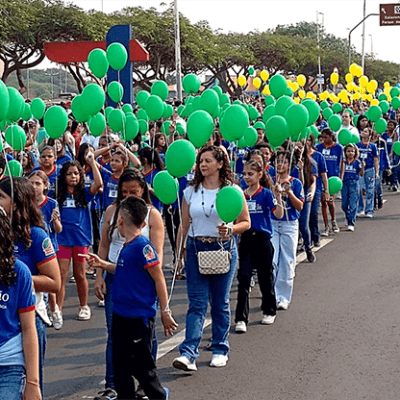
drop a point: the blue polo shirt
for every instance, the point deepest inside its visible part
(333, 157)
(110, 191)
(47, 208)
(352, 170)
(367, 154)
(52, 177)
(149, 179)
(134, 290)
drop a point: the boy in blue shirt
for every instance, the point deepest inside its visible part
(138, 282)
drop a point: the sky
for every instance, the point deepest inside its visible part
(339, 16)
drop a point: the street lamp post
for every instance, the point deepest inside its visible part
(319, 56)
(372, 47)
(363, 37)
(178, 65)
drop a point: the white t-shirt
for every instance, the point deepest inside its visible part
(202, 211)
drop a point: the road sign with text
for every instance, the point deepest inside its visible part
(389, 14)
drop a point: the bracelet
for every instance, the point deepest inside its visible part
(166, 310)
(33, 383)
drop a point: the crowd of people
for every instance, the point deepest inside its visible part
(89, 202)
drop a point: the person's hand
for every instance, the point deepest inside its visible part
(172, 127)
(93, 260)
(310, 197)
(389, 172)
(170, 325)
(32, 392)
(55, 215)
(286, 188)
(100, 287)
(300, 165)
(134, 148)
(377, 176)
(224, 230)
(90, 158)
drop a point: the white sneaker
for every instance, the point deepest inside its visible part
(84, 313)
(184, 364)
(268, 319)
(240, 327)
(283, 305)
(101, 303)
(350, 228)
(369, 216)
(360, 214)
(218, 360)
(57, 319)
(326, 232)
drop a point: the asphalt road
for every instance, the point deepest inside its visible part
(338, 340)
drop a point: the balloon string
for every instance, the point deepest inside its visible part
(11, 183)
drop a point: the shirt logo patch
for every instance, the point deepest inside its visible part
(47, 247)
(148, 253)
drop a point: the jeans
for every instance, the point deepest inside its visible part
(367, 182)
(12, 382)
(284, 240)
(172, 222)
(304, 224)
(314, 231)
(255, 252)
(202, 289)
(132, 338)
(378, 186)
(350, 193)
(42, 338)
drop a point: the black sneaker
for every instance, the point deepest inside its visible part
(380, 204)
(310, 256)
(107, 394)
(317, 244)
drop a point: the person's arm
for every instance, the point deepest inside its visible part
(278, 212)
(342, 170)
(157, 232)
(55, 217)
(49, 279)
(312, 189)
(96, 262)
(31, 354)
(97, 179)
(132, 158)
(376, 166)
(300, 166)
(241, 224)
(362, 170)
(296, 202)
(325, 191)
(183, 231)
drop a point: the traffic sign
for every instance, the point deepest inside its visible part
(389, 14)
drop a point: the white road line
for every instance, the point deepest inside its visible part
(303, 256)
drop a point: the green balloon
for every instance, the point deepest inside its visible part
(108, 110)
(79, 110)
(327, 113)
(382, 97)
(93, 98)
(277, 86)
(394, 92)
(143, 126)
(26, 113)
(97, 124)
(180, 158)
(355, 138)
(250, 136)
(224, 99)
(154, 108)
(200, 127)
(98, 63)
(165, 127)
(396, 103)
(380, 126)
(335, 185)
(374, 113)
(197, 105)
(17, 105)
(337, 108)
(116, 120)
(115, 91)
(141, 98)
(14, 168)
(324, 104)
(335, 122)
(269, 112)
(350, 111)
(237, 102)
(253, 113)
(127, 109)
(289, 92)
(166, 187)
(345, 137)
(180, 110)
(42, 134)
(396, 148)
(4, 100)
(160, 89)
(282, 105)
(259, 125)
(269, 100)
(188, 100)
(15, 136)
(191, 84)
(131, 128)
(2, 126)
(242, 143)
(117, 56)
(218, 90)
(314, 130)
(276, 130)
(297, 117)
(180, 129)
(229, 203)
(384, 105)
(55, 121)
(169, 110)
(234, 123)
(251, 71)
(210, 102)
(355, 119)
(313, 110)
(142, 114)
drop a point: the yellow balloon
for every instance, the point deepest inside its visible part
(374, 102)
(334, 78)
(387, 90)
(301, 80)
(264, 75)
(369, 97)
(296, 100)
(356, 96)
(257, 83)
(359, 72)
(349, 78)
(302, 93)
(350, 86)
(363, 81)
(386, 85)
(362, 90)
(346, 100)
(389, 98)
(364, 96)
(353, 69)
(241, 80)
(295, 86)
(311, 95)
(326, 95)
(266, 90)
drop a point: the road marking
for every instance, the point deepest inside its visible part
(303, 256)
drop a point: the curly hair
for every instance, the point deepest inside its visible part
(225, 173)
(79, 190)
(7, 260)
(26, 212)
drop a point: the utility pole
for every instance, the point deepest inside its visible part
(319, 79)
(363, 37)
(178, 65)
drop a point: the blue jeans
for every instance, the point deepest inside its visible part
(350, 193)
(41, 328)
(314, 231)
(378, 186)
(284, 240)
(367, 182)
(304, 222)
(12, 382)
(202, 289)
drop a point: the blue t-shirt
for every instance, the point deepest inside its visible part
(40, 251)
(260, 206)
(389, 141)
(149, 179)
(76, 222)
(52, 177)
(384, 162)
(290, 213)
(96, 203)
(296, 174)
(103, 164)
(367, 154)
(47, 208)
(270, 171)
(352, 170)
(240, 155)
(320, 164)
(110, 191)
(134, 290)
(333, 158)
(62, 160)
